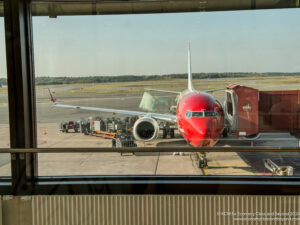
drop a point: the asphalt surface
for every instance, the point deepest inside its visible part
(256, 160)
(49, 118)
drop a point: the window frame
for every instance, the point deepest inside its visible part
(22, 114)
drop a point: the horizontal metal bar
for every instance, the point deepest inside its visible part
(166, 178)
(151, 149)
(235, 185)
(54, 8)
(164, 184)
(167, 185)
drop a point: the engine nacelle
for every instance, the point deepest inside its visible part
(145, 129)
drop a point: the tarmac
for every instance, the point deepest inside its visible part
(146, 163)
(112, 163)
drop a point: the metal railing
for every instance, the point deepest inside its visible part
(151, 149)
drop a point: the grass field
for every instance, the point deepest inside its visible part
(261, 83)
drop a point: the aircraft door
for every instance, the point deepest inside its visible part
(230, 111)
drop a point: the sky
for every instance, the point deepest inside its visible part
(150, 44)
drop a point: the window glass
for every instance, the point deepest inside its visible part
(116, 81)
(188, 114)
(197, 114)
(4, 120)
(210, 114)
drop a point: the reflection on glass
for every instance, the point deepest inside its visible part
(149, 163)
(4, 122)
(131, 80)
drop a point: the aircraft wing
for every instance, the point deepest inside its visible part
(178, 92)
(174, 92)
(213, 90)
(165, 117)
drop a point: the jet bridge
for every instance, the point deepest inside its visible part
(249, 111)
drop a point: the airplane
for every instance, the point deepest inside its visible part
(199, 116)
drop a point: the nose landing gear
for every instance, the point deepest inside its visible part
(202, 161)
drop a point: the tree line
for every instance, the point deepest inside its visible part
(127, 78)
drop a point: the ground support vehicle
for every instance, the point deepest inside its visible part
(167, 129)
(105, 135)
(86, 128)
(71, 125)
(123, 140)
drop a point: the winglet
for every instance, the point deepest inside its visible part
(53, 100)
(190, 80)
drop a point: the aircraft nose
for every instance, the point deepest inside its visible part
(203, 126)
(204, 132)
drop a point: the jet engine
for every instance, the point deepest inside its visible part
(145, 129)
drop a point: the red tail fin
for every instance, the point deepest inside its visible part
(51, 96)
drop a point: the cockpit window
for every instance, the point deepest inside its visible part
(202, 114)
(197, 114)
(210, 113)
(188, 114)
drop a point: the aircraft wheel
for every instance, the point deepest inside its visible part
(202, 163)
(164, 134)
(113, 143)
(172, 133)
(205, 163)
(225, 132)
